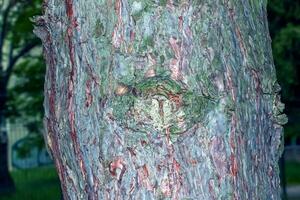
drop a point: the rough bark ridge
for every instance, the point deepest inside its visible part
(161, 99)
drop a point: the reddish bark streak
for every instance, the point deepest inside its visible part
(193, 162)
(117, 35)
(132, 151)
(232, 132)
(177, 99)
(96, 186)
(172, 185)
(69, 8)
(175, 47)
(56, 152)
(143, 175)
(175, 63)
(161, 109)
(180, 23)
(132, 186)
(233, 161)
(217, 151)
(176, 166)
(211, 187)
(234, 166)
(70, 102)
(132, 35)
(241, 42)
(230, 83)
(115, 165)
(143, 143)
(51, 120)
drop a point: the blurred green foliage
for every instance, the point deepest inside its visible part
(19, 24)
(25, 90)
(26, 94)
(284, 23)
(22, 66)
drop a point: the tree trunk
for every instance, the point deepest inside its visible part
(161, 99)
(6, 182)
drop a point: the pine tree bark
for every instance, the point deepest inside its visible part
(161, 99)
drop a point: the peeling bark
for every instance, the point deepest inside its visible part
(161, 99)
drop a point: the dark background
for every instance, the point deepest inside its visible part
(21, 82)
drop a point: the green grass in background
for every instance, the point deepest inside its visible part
(35, 184)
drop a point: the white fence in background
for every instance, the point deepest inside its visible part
(292, 153)
(17, 136)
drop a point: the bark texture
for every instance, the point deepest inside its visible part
(161, 99)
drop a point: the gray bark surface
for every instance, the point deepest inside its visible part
(161, 99)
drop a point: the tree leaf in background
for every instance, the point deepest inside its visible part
(22, 26)
(286, 47)
(27, 92)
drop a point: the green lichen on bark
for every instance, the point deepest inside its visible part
(159, 103)
(159, 85)
(99, 29)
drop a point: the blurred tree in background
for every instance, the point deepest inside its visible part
(18, 52)
(284, 23)
(25, 91)
(284, 17)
